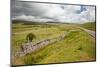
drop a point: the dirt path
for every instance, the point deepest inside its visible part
(90, 32)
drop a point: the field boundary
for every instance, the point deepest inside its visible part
(28, 48)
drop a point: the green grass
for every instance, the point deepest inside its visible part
(67, 50)
(78, 45)
(89, 25)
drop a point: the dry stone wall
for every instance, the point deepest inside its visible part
(28, 48)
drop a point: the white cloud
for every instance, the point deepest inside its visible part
(31, 18)
(44, 12)
(54, 11)
(89, 14)
(24, 17)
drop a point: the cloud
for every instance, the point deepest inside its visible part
(24, 17)
(31, 18)
(89, 15)
(44, 12)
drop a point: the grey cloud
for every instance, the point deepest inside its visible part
(50, 12)
(34, 9)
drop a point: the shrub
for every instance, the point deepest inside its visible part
(30, 37)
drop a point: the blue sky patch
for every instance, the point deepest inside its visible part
(82, 8)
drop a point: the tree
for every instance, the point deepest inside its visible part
(30, 37)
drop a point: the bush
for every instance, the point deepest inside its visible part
(30, 37)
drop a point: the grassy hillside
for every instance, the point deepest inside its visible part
(77, 46)
(90, 26)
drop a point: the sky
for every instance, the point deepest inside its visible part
(46, 12)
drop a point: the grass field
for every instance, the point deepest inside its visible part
(77, 46)
(90, 26)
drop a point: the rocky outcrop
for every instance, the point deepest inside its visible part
(28, 48)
